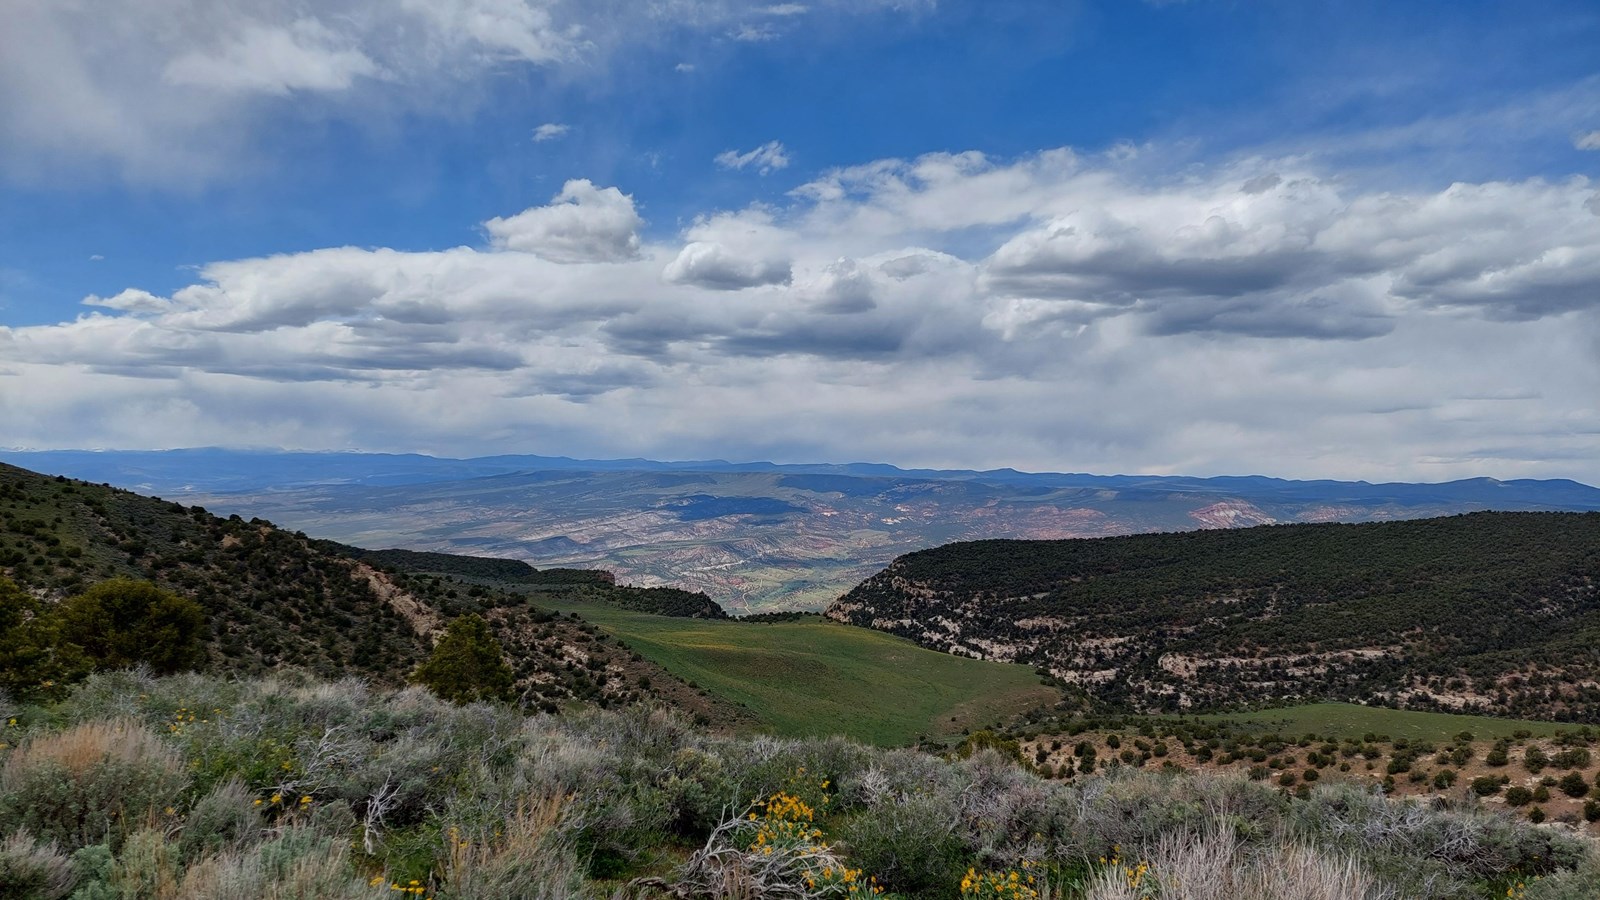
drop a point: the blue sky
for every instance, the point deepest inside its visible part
(1309, 239)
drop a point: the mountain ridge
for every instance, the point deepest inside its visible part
(1493, 613)
(104, 465)
(276, 599)
(754, 537)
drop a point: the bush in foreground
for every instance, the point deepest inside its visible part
(92, 783)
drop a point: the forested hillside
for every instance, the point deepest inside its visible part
(275, 599)
(1488, 612)
(571, 585)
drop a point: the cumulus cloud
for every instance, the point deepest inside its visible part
(766, 159)
(1053, 311)
(711, 265)
(844, 286)
(1587, 141)
(549, 131)
(731, 252)
(583, 224)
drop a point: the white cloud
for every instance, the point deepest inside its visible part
(176, 92)
(582, 224)
(785, 9)
(766, 159)
(733, 251)
(1051, 312)
(173, 90)
(131, 300)
(304, 55)
(549, 131)
(1587, 141)
(754, 34)
(713, 266)
(500, 30)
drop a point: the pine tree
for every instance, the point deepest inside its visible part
(467, 664)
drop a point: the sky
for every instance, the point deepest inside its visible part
(1296, 238)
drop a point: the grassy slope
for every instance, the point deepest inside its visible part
(1352, 720)
(815, 677)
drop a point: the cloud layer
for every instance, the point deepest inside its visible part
(1050, 312)
(176, 91)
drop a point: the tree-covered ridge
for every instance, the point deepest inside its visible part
(271, 599)
(666, 601)
(1487, 612)
(276, 599)
(510, 571)
(591, 585)
(438, 563)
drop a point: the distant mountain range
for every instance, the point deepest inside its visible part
(754, 536)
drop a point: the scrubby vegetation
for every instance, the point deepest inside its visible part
(1488, 612)
(269, 597)
(246, 597)
(465, 566)
(193, 786)
(664, 601)
(1549, 774)
(572, 585)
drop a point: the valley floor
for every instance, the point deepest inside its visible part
(813, 676)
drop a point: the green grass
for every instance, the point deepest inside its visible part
(818, 677)
(1353, 720)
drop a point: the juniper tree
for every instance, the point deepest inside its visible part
(124, 622)
(467, 664)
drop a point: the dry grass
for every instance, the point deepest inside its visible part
(526, 861)
(83, 748)
(1215, 866)
(298, 865)
(32, 870)
(93, 783)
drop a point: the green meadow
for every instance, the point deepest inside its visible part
(817, 677)
(1354, 720)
